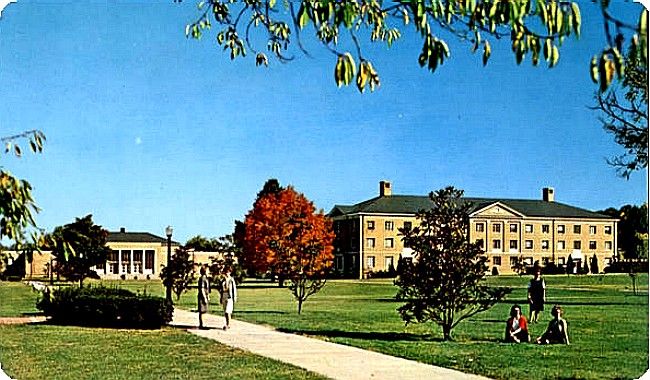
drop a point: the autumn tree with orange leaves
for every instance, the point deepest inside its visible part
(285, 235)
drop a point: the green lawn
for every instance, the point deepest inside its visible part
(17, 299)
(608, 326)
(59, 352)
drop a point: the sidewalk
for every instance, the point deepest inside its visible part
(329, 359)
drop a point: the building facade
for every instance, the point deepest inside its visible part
(134, 255)
(544, 231)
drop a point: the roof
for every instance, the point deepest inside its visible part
(411, 204)
(136, 237)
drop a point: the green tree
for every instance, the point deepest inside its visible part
(180, 272)
(87, 243)
(229, 254)
(519, 266)
(633, 223)
(594, 264)
(535, 28)
(200, 243)
(570, 265)
(444, 283)
(17, 206)
(626, 116)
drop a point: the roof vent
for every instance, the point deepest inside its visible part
(548, 194)
(384, 189)
(122, 230)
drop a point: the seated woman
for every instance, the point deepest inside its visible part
(556, 332)
(517, 326)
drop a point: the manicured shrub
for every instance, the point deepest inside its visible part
(105, 307)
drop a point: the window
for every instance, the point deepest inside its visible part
(513, 244)
(577, 244)
(496, 260)
(496, 244)
(545, 244)
(370, 262)
(370, 224)
(338, 260)
(137, 261)
(528, 261)
(514, 261)
(408, 226)
(561, 260)
(389, 262)
(480, 227)
(592, 230)
(513, 227)
(388, 243)
(546, 260)
(496, 228)
(608, 230)
(370, 242)
(528, 244)
(592, 245)
(546, 228)
(480, 243)
(561, 244)
(126, 258)
(577, 229)
(560, 228)
(148, 259)
(528, 228)
(608, 245)
(101, 266)
(389, 225)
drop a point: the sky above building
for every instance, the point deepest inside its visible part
(146, 128)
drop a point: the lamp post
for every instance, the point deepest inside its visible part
(168, 231)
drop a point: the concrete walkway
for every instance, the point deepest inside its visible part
(335, 361)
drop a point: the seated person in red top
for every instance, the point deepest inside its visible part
(517, 326)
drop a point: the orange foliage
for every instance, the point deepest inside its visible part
(285, 234)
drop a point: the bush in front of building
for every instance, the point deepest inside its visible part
(100, 306)
(627, 266)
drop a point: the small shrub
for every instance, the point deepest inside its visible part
(123, 277)
(105, 307)
(640, 266)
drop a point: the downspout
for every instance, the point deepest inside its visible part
(361, 245)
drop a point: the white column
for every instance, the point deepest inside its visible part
(119, 262)
(131, 260)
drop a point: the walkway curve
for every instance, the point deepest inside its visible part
(333, 360)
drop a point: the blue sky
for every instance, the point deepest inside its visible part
(146, 128)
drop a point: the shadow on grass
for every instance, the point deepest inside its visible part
(33, 314)
(260, 312)
(386, 336)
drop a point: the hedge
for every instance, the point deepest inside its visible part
(101, 306)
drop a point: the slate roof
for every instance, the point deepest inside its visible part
(410, 204)
(136, 237)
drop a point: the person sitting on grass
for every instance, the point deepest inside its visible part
(517, 326)
(556, 332)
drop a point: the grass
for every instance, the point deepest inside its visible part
(16, 299)
(59, 352)
(608, 326)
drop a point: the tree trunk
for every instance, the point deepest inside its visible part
(300, 306)
(446, 332)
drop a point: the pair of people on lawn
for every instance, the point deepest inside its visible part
(228, 296)
(517, 328)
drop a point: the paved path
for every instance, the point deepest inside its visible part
(335, 361)
(21, 320)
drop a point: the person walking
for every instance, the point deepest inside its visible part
(203, 296)
(536, 295)
(556, 332)
(228, 296)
